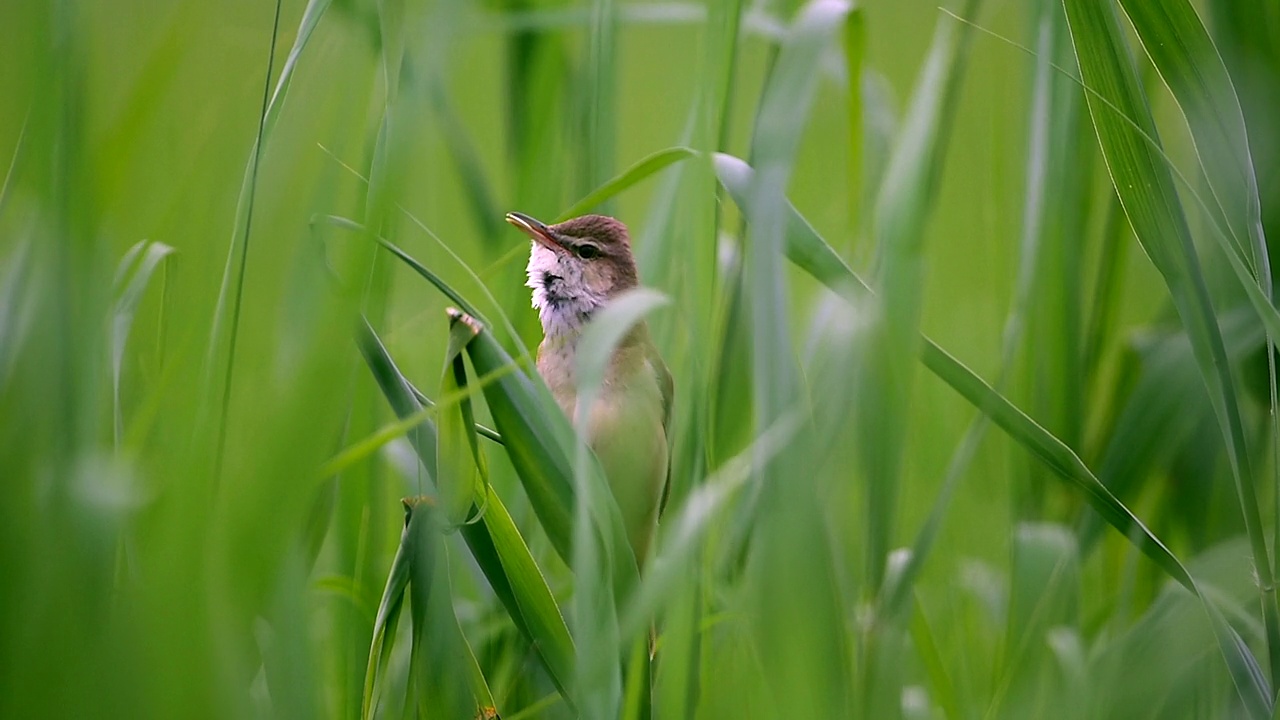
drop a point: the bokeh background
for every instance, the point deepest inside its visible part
(181, 536)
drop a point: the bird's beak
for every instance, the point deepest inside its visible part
(537, 230)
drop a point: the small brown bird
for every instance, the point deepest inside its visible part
(575, 269)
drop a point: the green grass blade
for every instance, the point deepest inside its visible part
(804, 247)
(805, 664)
(1051, 117)
(310, 19)
(1051, 451)
(1164, 411)
(132, 278)
(483, 431)
(495, 543)
(537, 446)
(731, 405)
(460, 466)
(603, 335)
(384, 624)
(600, 94)
(14, 311)
(789, 93)
(1251, 683)
(536, 611)
(243, 225)
(1236, 255)
(1183, 53)
(902, 211)
(1044, 595)
(637, 699)
(600, 338)
(758, 313)
(642, 169)
(1185, 56)
(855, 51)
(925, 641)
(432, 277)
(6, 187)
(395, 388)
(1112, 259)
(407, 259)
(1126, 133)
(445, 678)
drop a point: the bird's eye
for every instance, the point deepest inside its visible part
(587, 251)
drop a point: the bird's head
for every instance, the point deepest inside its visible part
(576, 266)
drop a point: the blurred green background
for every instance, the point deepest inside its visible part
(175, 542)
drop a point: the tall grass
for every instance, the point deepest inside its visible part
(944, 442)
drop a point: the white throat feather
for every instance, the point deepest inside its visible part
(560, 294)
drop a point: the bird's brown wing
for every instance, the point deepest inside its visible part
(667, 385)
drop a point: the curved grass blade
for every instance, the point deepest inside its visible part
(132, 278)
(790, 90)
(537, 613)
(407, 259)
(642, 169)
(384, 623)
(1127, 135)
(1163, 408)
(354, 226)
(368, 445)
(6, 186)
(12, 313)
(1182, 52)
(395, 388)
(495, 543)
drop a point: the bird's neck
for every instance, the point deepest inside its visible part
(563, 321)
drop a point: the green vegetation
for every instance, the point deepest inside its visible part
(968, 310)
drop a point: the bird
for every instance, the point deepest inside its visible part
(575, 269)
